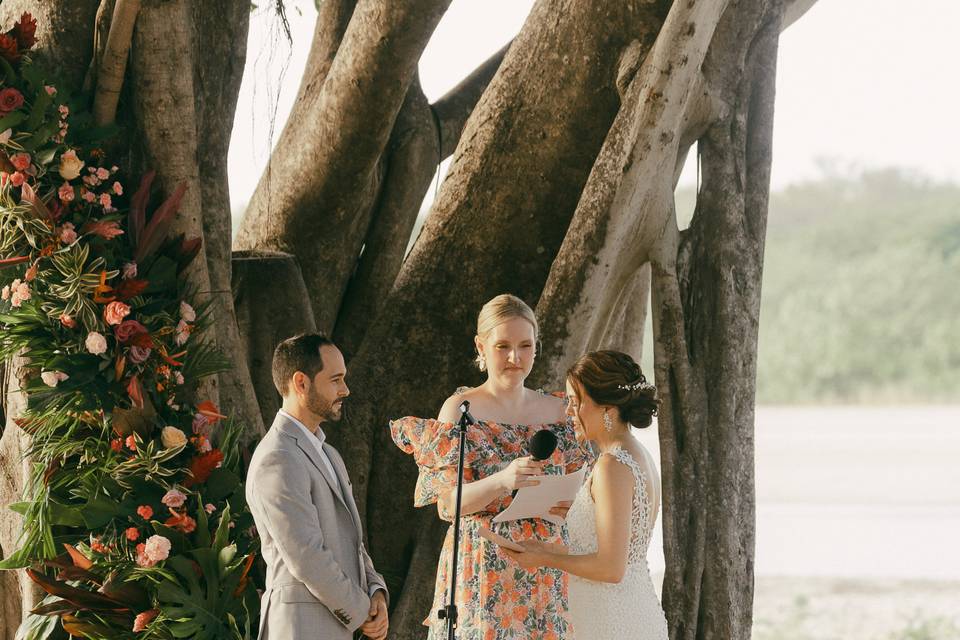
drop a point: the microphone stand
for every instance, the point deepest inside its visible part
(449, 612)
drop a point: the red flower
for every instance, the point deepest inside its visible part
(9, 49)
(131, 443)
(181, 521)
(116, 445)
(130, 288)
(106, 229)
(145, 511)
(10, 98)
(202, 466)
(132, 534)
(127, 330)
(25, 31)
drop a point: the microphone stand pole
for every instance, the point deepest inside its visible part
(449, 612)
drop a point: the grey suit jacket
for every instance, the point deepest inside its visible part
(319, 575)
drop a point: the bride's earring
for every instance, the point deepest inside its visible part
(607, 421)
(481, 362)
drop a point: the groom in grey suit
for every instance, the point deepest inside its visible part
(321, 583)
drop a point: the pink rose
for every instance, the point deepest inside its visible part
(89, 196)
(53, 378)
(117, 188)
(50, 89)
(102, 173)
(187, 312)
(68, 233)
(17, 178)
(95, 343)
(10, 100)
(174, 499)
(64, 110)
(115, 312)
(20, 161)
(105, 200)
(65, 192)
(209, 508)
(127, 330)
(67, 321)
(5, 293)
(156, 549)
(139, 355)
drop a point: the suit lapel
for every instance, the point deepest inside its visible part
(289, 428)
(337, 463)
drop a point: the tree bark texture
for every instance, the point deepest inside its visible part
(706, 310)
(316, 196)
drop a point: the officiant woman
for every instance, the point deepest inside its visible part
(495, 600)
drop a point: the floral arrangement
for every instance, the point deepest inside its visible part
(135, 523)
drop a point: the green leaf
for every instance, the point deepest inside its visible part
(38, 110)
(62, 514)
(221, 483)
(11, 120)
(20, 507)
(99, 510)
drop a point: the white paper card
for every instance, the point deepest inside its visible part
(536, 502)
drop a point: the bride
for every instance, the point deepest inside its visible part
(611, 594)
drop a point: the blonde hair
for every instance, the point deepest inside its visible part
(497, 311)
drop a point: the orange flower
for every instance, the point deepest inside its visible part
(181, 521)
(202, 466)
(210, 412)
(103, 288)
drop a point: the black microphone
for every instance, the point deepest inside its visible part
(542, 445)
(465, 412)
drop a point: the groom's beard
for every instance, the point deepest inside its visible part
(327, 411)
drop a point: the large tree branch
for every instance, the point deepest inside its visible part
(456, 105)
(409, 165)
(316, 195)
(113, 62)
(626, 198)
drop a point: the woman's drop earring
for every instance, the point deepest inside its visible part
(607, 421)
(482, 362)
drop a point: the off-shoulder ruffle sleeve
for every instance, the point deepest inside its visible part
(435, 446)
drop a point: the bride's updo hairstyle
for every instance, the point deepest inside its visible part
(612, 378)
(500, 309)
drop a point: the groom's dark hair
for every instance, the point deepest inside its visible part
(298, 353)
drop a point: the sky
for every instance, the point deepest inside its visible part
(860, 84)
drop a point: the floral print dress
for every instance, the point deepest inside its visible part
(496, 598)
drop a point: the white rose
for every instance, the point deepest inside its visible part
(70, 165)
(53, 378)
(172, 438)
(187, 312)
(96, 343)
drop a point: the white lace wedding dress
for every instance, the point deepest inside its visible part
(629, 609)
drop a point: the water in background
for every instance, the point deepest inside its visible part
(858, 522)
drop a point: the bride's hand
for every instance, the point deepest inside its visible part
(561, 508)
(535, 553)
